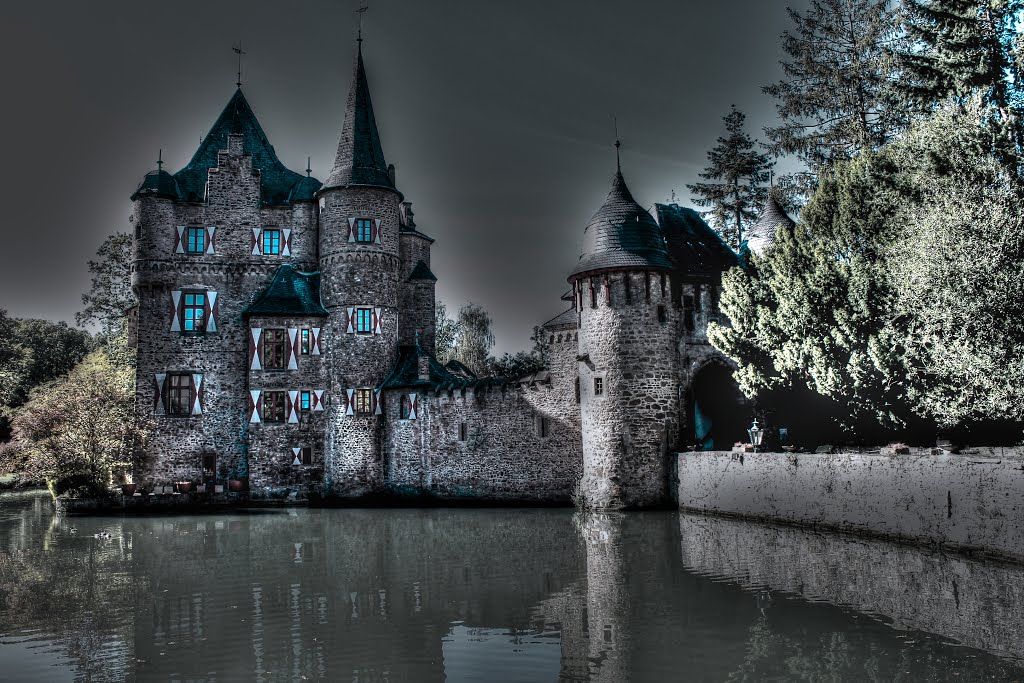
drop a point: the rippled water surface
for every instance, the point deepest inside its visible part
(487, 595)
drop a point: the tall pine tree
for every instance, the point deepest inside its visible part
(839, 96)
(740, 171)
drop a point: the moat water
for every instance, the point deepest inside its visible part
(487, 595)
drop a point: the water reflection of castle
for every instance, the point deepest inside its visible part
(372, 595)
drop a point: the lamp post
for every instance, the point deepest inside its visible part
(756, 434)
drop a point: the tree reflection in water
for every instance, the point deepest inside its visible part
(418, 595)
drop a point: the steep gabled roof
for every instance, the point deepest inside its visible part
(422, 272)
(278, 184)
(360, 159)
(289, 293)
(696, 249)
(566, 318)
(621, 235)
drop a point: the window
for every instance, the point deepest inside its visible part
(195, 240)
(303, 457)
(593, 295)
(138, 230)
(275, 346)
(364, 321)
(271, 241)
(463, 431)
(598, 386)
(661, 314)
(688, 313)
(577, 389)
(364, 402)
(209, 467)
(364, 230)
(405, 407)
(179, 393)
(304, 341)
(273, 406)
(193, 312)
(543, 427)
(305, 400)
(625, 288)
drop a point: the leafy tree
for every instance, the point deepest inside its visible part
(52, 349)
(514, 366)
(475, 339)
(446, 331)
(110, 296)
(78, 432)
(839, 94)
(740, 171)
(14, 361)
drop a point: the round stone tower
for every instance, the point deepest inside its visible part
(628, 365)
(359, 265)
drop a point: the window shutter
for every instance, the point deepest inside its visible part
(296, 456)
(210, 232)
(257, 244)
(179, 245)
(286, 242)
(351, 321)
(254, 348)
(377, 329)
(197, 403)
(376, 230)
(314, 343)
(351, 404)
(158, 393)
(254, 405)
(318, 399)
(351, 230)
(211, 311)
(293, 412)
(376, 402)
(176, 310)
(292, 348)
(412, 406)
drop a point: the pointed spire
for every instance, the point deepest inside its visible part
(360, 159)
(309, 169)
(160, 160)
(618, 163)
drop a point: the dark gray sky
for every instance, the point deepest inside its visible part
(496, 115)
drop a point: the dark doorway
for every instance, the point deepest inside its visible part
(719, 415)
(209, 468)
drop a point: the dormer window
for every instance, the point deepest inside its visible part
(363, 230)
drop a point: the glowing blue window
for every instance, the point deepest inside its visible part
(363, 321)
(304, 400)
(193, 312)
(364, 230)
(196, 243)
(271, 241)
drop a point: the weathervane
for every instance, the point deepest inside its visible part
(359, 36)
(308, 169)
(238, 51)
(615, 122)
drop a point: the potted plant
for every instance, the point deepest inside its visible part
(129, 487)
(184, 486)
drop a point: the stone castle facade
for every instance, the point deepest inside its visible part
(286, 338)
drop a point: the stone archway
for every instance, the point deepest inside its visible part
(716, 410)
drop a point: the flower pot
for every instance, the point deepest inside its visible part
(184, 486)
(128, 489)
(235, 485)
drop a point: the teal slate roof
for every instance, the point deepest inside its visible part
(278, 184)
(621, 235)
(157, 183)
(695, 248)
(422, 272)
(289, 293)
(406, 372)
(360, 159)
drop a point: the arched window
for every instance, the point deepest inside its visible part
(406, 407)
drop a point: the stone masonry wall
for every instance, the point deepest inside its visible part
(233, 207)
(628, 430)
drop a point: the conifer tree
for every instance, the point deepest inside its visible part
(839, 96)
(740, 171)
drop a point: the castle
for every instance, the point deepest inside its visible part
(286, 339)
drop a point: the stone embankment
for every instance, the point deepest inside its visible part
(971, 502)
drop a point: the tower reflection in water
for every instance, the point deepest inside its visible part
(393, 595)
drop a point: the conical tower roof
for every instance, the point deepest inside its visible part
(360, 159)
(278, 184)
(621, 235)
(761, 234)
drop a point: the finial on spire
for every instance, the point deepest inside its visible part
(618, 164)
(359, 36)
(238, 51)
(308, 169)
(160, 160)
